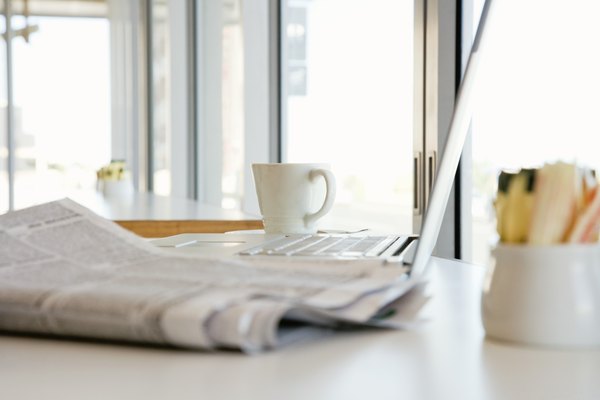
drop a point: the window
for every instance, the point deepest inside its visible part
(191, 93)
(60, 64)
(222, 63)
(347, 87)
(161, 96)
(232, 100)
(539, 88)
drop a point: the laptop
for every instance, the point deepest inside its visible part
(408, 250)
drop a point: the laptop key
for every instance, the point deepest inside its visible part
(299, 246)
(323, 245)
(367, 243)
(275, 245)
(363, 247)
(318, 248)
(341, 246)
(384, 245)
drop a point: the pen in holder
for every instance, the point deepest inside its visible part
(543, 286)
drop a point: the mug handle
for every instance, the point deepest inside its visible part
(310, 219)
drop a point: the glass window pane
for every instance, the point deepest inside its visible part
(539, 93)
(161, 141)
(348, 101)
(232, 102)
(61, 75)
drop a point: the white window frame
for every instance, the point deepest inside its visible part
(181, 100)
(128, 89)
(209, 110)
(260, 96)
(261, 92)
(131, 92)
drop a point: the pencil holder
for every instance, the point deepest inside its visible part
(544, 295)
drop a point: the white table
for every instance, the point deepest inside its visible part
(448, 357)
(151, 215)
(149, 206)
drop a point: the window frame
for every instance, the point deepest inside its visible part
(440, 86)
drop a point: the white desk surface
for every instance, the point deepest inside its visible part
(148, 206)
(446, 358)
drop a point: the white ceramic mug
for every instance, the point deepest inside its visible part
(293, 197)
(544, 295)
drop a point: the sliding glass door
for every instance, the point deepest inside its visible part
(347, 100)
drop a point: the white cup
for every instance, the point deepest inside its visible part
(544, 295)
(292, 197)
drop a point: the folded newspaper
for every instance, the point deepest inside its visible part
(66, 271)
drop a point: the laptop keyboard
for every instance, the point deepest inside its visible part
(325, 245)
